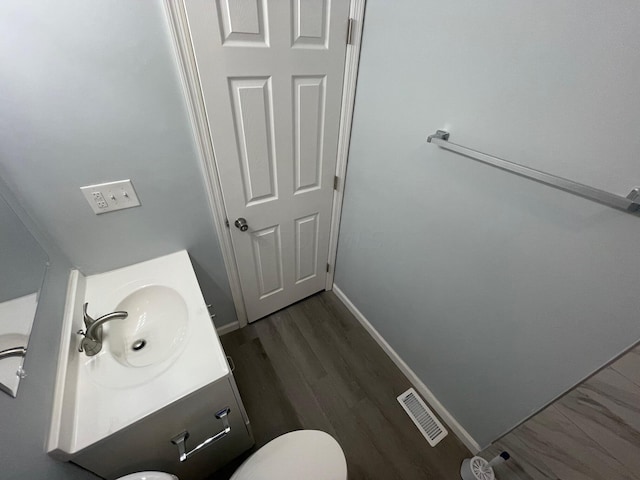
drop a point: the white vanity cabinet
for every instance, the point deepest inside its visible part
(117, 411)
(146, 445)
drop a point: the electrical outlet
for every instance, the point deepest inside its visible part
(99, 200)
(108, 197)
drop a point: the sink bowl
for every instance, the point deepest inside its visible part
(100, 395)
(153, 332)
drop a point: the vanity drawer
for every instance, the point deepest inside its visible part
(147, 445)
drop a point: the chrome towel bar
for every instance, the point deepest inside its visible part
(181, 439)
(630, 203)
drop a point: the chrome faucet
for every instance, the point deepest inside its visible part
(92, 337)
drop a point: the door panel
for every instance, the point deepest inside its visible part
(309, 23)
(271, 75)
(267, 258)
(242, 22)
(306, 231)
(252, 114)
(308, 110)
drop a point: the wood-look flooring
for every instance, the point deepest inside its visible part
(593, 432)
(312, 365)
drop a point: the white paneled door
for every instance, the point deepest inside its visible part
(271, 73)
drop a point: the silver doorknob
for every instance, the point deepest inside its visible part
(241, 223)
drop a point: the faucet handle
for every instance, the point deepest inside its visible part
(86, 317)
(81, 346)
(87, 322)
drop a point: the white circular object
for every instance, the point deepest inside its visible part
(476, 468)
(149, 476)
(303, 454)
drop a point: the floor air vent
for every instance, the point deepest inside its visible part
(423, 417)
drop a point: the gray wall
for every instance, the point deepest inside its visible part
(90, 93)
(498, 292)
(25, 420)
(22, 260)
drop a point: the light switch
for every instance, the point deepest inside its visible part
(108, 197)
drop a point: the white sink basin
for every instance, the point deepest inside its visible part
(153, 332)
(9, 365)
(99, 395)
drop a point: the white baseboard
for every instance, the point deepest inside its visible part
(229, 327)
(430, 398)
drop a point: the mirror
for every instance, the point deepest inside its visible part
(23, 263)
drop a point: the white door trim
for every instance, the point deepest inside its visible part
(181, 39)
(356, 12)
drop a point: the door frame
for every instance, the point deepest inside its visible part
(188, 70)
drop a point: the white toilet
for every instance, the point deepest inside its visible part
(303, 454)
(149, 476)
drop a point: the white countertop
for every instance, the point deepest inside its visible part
(102, 396)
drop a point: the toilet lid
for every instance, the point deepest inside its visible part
(304, 454)
(149, 476)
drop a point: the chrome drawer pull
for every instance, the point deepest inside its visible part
(181, 439)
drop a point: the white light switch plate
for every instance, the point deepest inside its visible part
(108, 197)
